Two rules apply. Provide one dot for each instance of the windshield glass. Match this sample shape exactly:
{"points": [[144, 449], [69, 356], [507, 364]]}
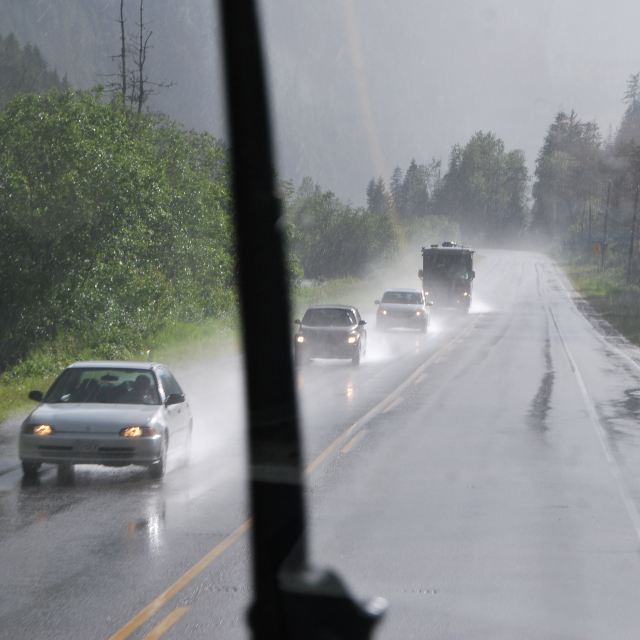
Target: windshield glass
{"points": [[106, 385], [402, 297], [475, 462], [328, 318], [445, 261]]}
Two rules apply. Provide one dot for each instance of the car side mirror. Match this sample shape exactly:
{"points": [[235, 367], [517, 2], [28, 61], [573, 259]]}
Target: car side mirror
{"points": [[420, 274], [36, 395], [376, 302], [472, 275], [429, 303], [174, 398], [296, 321], [362, 323]]}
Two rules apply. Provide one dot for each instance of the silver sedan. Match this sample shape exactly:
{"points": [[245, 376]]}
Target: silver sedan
{"points": [[403, 308], [108, 413]]}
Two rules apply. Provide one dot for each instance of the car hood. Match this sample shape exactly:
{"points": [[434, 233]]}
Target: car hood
{"points": [[328, 330], [94, 417]]}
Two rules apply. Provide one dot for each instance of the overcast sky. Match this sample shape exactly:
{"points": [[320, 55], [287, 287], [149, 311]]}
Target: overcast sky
{"points": [[360, 86], [435, 72]]}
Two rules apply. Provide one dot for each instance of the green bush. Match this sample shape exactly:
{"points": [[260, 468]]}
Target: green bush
{"points": [[112, 225]]}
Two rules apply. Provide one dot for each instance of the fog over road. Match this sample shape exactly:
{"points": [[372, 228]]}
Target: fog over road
{"points": [[484, 478]]}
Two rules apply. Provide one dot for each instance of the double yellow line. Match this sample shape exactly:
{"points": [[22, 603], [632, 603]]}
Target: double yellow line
{"points": [[340, 442]]}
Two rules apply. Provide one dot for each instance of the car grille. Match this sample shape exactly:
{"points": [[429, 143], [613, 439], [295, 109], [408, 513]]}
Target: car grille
{"points": [[67, 451]]}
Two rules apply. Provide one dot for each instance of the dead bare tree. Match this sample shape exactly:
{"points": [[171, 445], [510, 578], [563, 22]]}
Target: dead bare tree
{"points": [[132, 84], [123, 55], [143, 43], [141, 87]]}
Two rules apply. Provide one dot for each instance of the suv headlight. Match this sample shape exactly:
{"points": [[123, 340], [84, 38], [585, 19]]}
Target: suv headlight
{"points": [[352, 339]]}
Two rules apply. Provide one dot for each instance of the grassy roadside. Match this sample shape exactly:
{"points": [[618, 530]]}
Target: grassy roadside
{"points": [[174, 345], [609, 295]]}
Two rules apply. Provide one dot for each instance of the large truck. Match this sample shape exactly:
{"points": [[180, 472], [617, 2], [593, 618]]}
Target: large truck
{"points": [[447, 274]]}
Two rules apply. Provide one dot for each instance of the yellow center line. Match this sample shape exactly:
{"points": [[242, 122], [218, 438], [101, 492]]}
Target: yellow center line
{"points": [[347, 447], [393, 405], [157, 603], [162, 627]]}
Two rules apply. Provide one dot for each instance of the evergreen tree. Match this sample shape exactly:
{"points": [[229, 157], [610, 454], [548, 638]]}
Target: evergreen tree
{"points": [[24, 70], [629, 130], [378, 202], [397, 193], [568, 173], [484, 188], [415, 194]]}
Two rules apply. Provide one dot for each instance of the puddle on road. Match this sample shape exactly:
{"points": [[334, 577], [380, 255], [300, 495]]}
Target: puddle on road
{"points": [[541, 403]]}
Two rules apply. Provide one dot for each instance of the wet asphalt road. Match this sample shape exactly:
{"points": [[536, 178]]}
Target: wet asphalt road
{"points": [[485, 479]]}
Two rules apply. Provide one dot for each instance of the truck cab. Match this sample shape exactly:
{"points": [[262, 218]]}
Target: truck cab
{"points": [[447, 275]]}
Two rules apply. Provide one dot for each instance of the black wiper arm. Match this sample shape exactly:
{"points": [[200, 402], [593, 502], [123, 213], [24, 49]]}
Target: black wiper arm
{"points": [[291, 600]]}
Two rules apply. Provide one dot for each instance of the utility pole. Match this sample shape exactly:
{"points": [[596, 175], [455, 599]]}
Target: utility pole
{"points": [[633, 233], [603, 252]]}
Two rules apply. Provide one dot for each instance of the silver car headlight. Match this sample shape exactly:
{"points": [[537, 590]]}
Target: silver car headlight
{"points": [[41, 430], [137, 431]]}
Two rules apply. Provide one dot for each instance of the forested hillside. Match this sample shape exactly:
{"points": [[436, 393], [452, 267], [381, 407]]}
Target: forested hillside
{"points": [[585, 187]]}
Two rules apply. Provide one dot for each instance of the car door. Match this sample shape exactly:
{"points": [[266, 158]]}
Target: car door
{"points": [[363, 332], [178, 414]]}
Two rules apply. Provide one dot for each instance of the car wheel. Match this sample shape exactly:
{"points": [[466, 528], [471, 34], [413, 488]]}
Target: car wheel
{"points": [[158, 468], [66, 474], [30, 469], [301, 358], [355, 360]]}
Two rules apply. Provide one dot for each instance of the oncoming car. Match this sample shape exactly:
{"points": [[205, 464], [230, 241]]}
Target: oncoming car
{"points": [[330, 331], [403, 308], [107, 413]]}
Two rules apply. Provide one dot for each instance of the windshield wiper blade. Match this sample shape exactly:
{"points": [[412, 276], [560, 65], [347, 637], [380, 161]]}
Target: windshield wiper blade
{"points": [[291, 600]]}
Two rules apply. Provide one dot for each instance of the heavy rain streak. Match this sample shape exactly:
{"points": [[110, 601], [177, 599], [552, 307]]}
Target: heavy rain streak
{"points": [[460, 186]]}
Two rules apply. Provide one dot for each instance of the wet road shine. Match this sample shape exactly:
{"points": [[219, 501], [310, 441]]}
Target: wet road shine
{"points": [[485, 479]]}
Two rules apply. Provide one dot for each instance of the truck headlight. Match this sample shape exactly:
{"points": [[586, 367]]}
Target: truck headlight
{"points": [[299, 339]]}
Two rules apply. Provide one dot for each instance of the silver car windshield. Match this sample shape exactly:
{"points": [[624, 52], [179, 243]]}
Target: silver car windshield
{"points": [[105, 385]]}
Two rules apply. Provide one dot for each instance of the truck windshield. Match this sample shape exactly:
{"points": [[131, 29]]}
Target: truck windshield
{"points": [[453, 264]]}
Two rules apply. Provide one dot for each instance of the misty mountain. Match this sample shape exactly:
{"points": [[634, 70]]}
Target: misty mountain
{"points": [[360, 86]]}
